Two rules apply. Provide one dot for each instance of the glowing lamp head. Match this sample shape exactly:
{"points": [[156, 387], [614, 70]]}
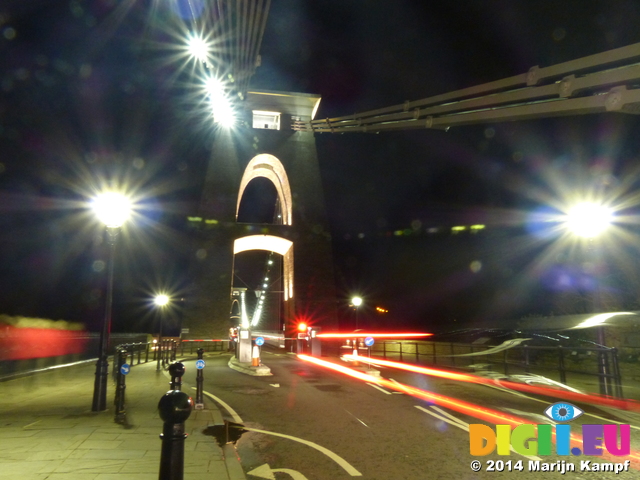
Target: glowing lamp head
{"points": [[161, 300], [198, 48], [589, 220], [356, 301], [112, 208], [302, 327]]}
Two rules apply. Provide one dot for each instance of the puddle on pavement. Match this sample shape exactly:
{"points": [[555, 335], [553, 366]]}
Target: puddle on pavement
{"points": [[229, 432]]}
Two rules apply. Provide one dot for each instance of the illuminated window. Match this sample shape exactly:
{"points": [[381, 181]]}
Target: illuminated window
{"points": [[266, 120]]}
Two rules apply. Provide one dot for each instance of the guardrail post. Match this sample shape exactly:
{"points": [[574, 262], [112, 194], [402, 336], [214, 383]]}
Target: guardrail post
{"points": [[174, 407], [563, 373], [200, 381], [146, 356], [617, 378], [504, 362], [123, 370]]}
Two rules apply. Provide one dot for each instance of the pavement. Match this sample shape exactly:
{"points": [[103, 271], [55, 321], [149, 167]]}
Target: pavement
{"points": [[48, 431]]}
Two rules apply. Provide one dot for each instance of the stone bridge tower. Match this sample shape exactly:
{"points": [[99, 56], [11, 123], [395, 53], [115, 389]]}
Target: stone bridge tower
{"points": [[264, 148]]}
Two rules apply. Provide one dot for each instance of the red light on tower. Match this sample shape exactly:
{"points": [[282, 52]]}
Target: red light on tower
{"points": [[302, 327]]}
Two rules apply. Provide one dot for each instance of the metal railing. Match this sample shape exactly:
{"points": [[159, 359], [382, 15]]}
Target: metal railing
{"points": [[208, 345], [552, 360]]}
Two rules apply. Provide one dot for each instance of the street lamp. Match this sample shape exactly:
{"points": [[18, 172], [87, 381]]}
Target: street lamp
{"points": [[112, 209], [356, 302], [161, 301], [588, 220]]}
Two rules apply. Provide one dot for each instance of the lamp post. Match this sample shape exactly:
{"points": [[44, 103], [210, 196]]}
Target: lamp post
{"points": [[356, 302], [589, 220], [112, 209], [161, 301]]}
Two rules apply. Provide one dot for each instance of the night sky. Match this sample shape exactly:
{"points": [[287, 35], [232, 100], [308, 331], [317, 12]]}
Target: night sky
{"points": [[89, 95]]}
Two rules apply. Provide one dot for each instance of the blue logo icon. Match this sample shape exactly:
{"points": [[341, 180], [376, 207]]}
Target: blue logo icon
{"points": [[259, 341], [200, 364], [369, 341], [563, 412], [125, 369]]}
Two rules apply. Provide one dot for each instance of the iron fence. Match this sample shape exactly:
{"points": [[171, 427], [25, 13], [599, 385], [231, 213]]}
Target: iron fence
{"points": [[555, 361]]}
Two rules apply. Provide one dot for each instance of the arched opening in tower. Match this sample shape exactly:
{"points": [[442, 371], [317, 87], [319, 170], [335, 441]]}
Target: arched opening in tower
{"points": [[259, 274], [260, 203], [263, 281]]}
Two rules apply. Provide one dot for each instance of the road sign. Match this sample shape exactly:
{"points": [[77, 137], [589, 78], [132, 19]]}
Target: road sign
{"points": [[369, 341], [125, 369], [259, 341], [200, 364]]}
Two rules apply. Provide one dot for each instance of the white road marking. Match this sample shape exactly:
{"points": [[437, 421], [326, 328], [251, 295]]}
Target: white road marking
{"points": [[378, 388], [356, 417], [333, 456], [546, 402], [265, 471], [232, 412], [462, 425], [448, 415], [395, 381]]}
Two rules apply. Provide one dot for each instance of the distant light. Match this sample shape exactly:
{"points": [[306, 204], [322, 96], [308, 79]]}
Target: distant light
{"points": [[459, 228], [264, 285], [356, 301], [475, 228], [161, 300], [112, 208], [198, 48], [221, 106], [381, 310], [588, 220], [599, 319], [302, 327]]}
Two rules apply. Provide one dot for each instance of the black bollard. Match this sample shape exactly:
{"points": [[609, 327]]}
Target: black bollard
{"points": [[174, 407], [176, 370], [120, 387], [199, 382]]}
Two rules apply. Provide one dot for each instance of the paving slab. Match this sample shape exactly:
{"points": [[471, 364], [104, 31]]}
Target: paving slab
{"points": [[48, 431]]}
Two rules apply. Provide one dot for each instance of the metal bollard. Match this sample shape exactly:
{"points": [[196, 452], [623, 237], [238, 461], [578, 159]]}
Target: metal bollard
{"points": [[174, 407], [122, 371], [200, 381], [176, 370]]}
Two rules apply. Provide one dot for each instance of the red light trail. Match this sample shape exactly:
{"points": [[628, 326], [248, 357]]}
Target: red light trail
{"points": [[522, 387], [467, 408], [373, 335]]}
